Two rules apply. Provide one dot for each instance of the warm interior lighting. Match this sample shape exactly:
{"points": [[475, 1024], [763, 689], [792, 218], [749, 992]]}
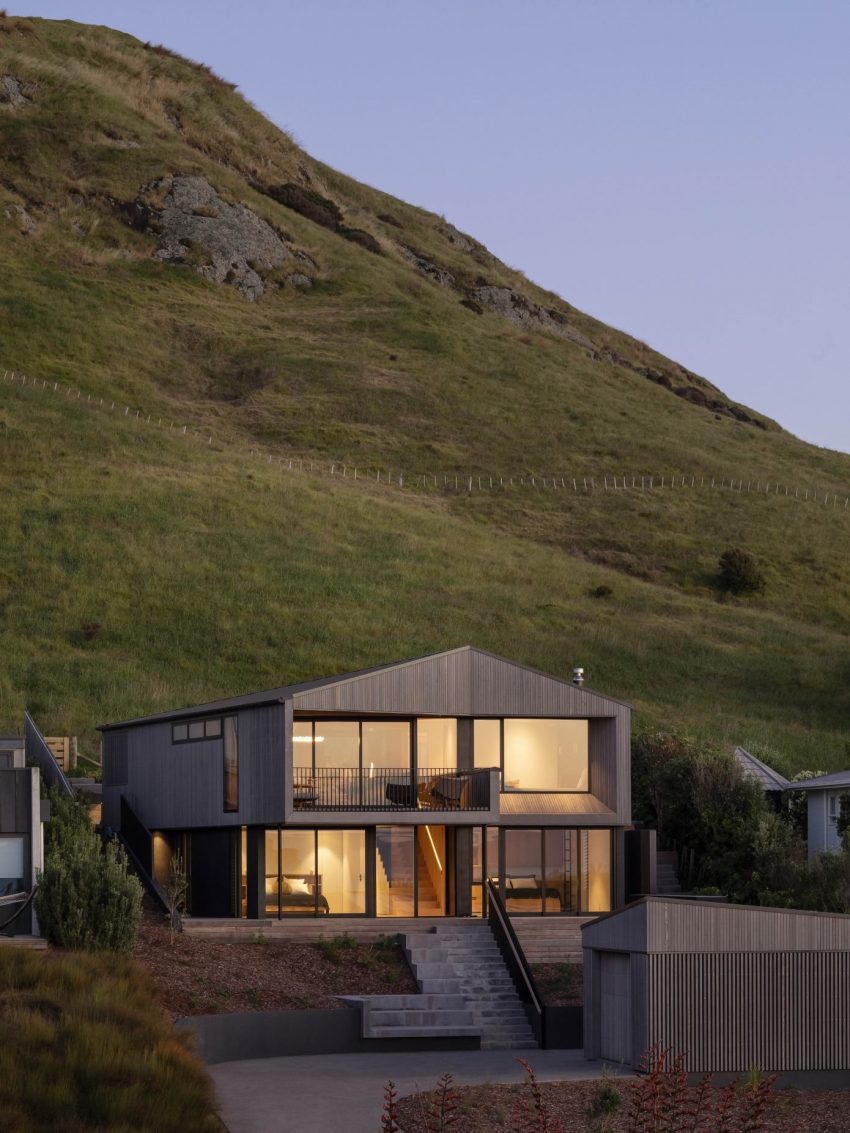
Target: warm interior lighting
{"points": [[308, 739], [434, 848]]}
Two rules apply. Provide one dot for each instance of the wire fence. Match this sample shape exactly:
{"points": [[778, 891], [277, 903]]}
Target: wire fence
{"points": [[450, 482]]}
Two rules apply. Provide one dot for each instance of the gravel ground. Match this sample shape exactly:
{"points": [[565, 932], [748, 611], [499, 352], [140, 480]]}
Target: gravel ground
{"points": [[202, 977]]}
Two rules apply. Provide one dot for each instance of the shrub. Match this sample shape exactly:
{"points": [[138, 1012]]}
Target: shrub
{"points": [[739, 573], [86, 899], [364, 239], [308, 203]]}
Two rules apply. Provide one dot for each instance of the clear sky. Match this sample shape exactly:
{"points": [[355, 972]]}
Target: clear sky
{"points": [[678, 168]]}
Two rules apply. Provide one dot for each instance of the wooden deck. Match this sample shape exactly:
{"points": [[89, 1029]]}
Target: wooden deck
{"points": [[35, 943]]}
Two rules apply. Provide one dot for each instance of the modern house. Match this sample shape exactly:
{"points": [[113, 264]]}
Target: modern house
{"points": [[390, 792], [824, 794], [22, 814]]}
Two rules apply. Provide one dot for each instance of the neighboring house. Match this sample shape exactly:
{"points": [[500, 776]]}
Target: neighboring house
{"points": [[22, 815], [770, 781], [824, 807], [391, 792], [731, 987]]}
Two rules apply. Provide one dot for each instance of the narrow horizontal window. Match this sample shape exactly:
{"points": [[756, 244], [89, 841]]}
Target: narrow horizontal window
{"points": [[212, 729], [193, 730], [196, 730], [179, 733]]}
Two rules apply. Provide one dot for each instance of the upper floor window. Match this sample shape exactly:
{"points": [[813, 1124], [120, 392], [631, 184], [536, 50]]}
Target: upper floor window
{"points": [[217, 728], [534, 754], [196, 730]]}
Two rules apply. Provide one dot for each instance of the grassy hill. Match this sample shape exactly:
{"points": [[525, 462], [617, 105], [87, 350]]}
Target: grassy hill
{"points": [[167, 249]]}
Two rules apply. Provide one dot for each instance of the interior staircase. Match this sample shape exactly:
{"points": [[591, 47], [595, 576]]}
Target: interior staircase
{"points": [[466, 990], [398, 878]]}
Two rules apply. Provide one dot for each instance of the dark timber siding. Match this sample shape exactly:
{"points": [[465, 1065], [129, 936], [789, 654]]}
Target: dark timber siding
{"points": [[180, 786]]}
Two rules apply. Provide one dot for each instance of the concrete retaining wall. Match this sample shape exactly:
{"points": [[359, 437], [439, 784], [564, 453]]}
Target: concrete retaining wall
{"points": [[273, 1034]]}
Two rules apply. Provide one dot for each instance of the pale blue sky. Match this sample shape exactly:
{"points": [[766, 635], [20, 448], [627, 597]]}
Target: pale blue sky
{"points": [[678, 168]]}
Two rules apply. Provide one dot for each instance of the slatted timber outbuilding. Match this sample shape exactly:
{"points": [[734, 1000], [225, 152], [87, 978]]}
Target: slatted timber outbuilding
{"points": [[729, 986]]}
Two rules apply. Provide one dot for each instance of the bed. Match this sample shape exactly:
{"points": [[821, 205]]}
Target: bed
{"points": [[297, 894], [525, 895]]}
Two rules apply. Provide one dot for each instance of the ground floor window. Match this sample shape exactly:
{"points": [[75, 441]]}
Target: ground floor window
{"points": [[315, 872], [386, 871]]}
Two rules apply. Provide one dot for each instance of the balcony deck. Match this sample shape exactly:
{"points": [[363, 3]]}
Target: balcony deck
{"points": [[393, 789]]}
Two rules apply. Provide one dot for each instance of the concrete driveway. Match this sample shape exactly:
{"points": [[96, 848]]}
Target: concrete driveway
{"points": [[343, 1093]]}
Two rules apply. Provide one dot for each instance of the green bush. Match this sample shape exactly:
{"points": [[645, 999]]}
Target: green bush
{"points": [[739, 573], [86, 899]]}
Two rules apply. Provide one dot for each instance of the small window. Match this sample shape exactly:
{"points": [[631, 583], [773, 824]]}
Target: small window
{"points": [[196, 730], [179, 733], [11, 866], [212, 729]]}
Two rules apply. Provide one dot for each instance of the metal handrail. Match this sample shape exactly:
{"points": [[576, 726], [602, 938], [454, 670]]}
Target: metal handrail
{"points": [[509, 936], [26, 898], [390, 788], [40, 754]]}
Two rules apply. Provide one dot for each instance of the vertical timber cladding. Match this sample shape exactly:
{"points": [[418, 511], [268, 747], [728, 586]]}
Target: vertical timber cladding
{"points": [[733, 1010], [470, 682]]}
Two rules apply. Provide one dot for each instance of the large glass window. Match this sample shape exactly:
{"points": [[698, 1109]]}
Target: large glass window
{"points": [[555, 870], [341, 871], [11, 866], [386, 744], [560, 863], [436, 743], [487, 743], [272, 878], [596, 871], [523, 871], [337, 743], [231, 765], [395, 871], [298, 881], [545, 755]]}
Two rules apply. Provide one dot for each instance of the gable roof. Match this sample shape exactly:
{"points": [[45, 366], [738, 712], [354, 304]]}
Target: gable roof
{"points": [[765, 776], [338, 688], [822, 782]]}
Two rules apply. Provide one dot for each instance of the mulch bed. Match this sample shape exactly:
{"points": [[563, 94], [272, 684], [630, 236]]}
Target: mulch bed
{"points": [[195, 976], [482, 1109], [559, 984]]}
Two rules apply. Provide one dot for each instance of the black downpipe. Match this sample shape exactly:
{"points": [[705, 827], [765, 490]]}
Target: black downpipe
{"points": [[518, 966]]}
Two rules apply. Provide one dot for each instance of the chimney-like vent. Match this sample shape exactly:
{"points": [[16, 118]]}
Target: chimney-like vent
{"points": [[578, 676]]}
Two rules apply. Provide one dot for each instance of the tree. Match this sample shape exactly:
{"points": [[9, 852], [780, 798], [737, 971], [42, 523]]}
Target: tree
{"points": [[86, 899], [739, 573]]}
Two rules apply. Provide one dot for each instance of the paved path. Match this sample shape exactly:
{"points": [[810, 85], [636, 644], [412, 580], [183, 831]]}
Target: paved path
{"points": [[343, 1093]]}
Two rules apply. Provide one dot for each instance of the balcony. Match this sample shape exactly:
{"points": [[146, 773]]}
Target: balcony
{"points": [[389, 789]]}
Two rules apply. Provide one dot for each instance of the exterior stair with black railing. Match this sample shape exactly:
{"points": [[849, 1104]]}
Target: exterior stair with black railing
{"points": [[466, 990]]}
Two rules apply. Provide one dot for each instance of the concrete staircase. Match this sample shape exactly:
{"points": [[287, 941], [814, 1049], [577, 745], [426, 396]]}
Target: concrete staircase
{"points": [[667, 876], [466, 990], [550, 940]]}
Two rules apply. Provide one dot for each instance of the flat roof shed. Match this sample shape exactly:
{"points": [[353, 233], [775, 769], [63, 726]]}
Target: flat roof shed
{"points": [[728, 986]]}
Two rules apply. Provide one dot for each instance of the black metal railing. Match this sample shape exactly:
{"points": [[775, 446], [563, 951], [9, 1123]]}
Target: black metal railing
{"points": [[137, 840], [514, 957], [390, 788], [40, 755]]}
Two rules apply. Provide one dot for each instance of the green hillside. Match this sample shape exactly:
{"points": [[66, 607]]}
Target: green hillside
{"points": [[165, 248]]}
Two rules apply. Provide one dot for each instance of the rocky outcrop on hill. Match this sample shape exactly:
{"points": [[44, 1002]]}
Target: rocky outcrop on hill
{"points": [[427, 267], [12, 91], [517, 309], [19, 215], [232, 242]]}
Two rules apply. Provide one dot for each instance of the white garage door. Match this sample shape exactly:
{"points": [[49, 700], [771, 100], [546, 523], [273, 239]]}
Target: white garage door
{"points": [[615, 1002]]}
